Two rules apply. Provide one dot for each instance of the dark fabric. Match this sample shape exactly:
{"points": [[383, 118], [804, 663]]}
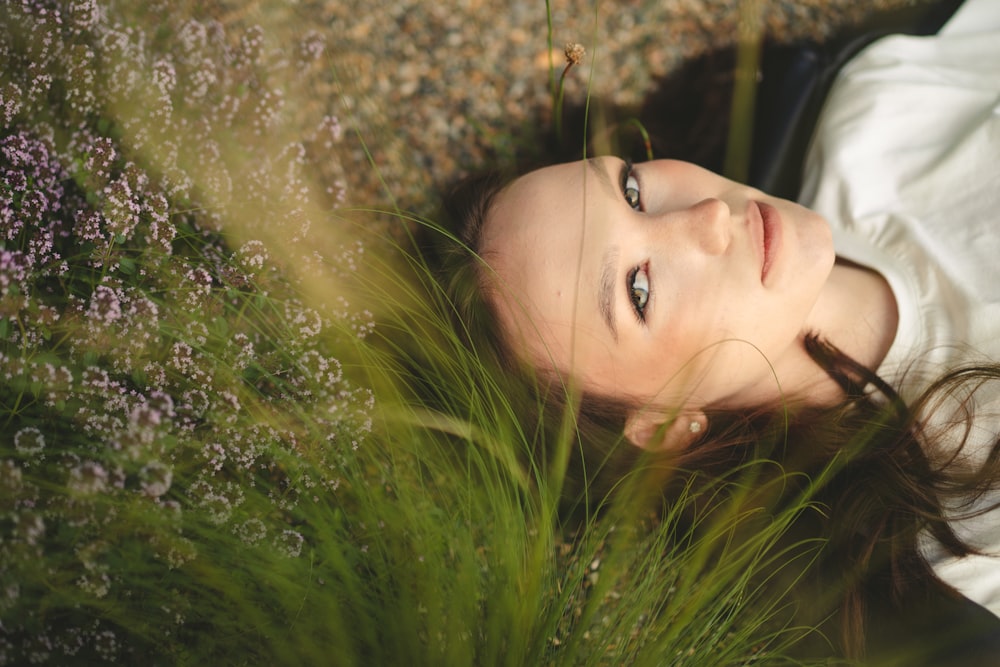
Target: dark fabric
{"points": [[938, 628], [795, 80]]}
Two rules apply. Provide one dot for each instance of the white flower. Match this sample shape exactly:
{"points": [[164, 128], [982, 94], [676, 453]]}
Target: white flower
{"points": [[29, 441], [156, 479]]}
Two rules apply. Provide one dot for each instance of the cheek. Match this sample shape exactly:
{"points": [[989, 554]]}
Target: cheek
{"points": [[678, 360], [817, 263], [818, 242], [747, 331]]}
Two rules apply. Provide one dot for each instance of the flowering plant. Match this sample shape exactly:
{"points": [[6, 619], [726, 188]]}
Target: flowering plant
{"points": [[154, 359], [208, 452]]}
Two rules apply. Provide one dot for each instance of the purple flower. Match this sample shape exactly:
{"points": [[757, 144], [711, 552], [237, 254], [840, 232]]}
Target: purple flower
{"points": [[83, 14], [88, 478], [121, 209], [289, 543], [10, 103], [164, 76], [105, 305], [14, 272], [155, 479], [251, 531], [29, 441]]}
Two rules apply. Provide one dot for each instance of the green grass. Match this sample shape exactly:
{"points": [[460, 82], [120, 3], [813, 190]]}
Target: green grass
{"points": [[325, 505]]}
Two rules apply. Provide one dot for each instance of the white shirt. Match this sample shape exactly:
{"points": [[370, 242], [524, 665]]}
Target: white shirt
{"points": [[905, 164]]}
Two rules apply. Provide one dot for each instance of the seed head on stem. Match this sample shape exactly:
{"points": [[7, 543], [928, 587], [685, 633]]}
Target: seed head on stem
{"points": [[574, 53]]}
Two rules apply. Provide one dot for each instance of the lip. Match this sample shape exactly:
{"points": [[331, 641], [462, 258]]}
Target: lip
{"points": [[770, 238]]}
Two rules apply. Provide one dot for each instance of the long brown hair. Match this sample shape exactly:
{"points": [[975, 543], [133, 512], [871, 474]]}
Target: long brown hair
{"points": [[886, 476]]}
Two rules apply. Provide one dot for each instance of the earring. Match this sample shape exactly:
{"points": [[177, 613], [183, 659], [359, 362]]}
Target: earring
{"points": [[695, 427]]}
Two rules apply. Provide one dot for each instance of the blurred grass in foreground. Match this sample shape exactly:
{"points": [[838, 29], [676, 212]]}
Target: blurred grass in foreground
{"points": [[214, 447]]}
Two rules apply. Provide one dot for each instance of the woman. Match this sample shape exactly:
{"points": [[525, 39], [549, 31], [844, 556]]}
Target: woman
{"points": [[688, 310]]}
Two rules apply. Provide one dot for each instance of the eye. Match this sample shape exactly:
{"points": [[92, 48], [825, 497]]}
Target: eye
{"points": [[638, 291], [630, 187]]}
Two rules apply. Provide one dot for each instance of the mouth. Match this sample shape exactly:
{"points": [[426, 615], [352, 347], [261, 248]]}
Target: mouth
{"points": [[771, 237]]}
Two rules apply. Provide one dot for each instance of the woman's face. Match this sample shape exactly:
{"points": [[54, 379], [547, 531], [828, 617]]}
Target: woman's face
{"points": [[666, 284]]}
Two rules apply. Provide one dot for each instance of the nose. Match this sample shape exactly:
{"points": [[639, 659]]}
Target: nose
{"points": [[710, 225]]}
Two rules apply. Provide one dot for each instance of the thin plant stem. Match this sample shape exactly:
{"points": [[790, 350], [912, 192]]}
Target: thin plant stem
{"points": [[552, 63], [557, 109], [574, 56], [646, 143], [741, 118]]}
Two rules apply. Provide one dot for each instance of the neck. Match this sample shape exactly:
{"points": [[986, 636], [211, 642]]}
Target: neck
{"points": [[857, 313]]}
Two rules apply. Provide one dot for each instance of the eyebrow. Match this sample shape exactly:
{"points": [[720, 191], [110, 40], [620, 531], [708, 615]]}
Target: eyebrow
{"points": [[606, 290], [602, 176], [606, 287]]}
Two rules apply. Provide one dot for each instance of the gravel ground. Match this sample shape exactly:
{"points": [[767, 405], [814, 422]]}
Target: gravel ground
{"points": [[436, 88]]}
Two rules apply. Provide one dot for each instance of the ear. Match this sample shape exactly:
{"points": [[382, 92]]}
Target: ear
{"points": [[648, 429]]}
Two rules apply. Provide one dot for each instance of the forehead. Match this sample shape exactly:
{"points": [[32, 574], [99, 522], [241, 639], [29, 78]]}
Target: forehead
{"points": [[535, 219], [543, 260], [531, 219], [531, 199]]}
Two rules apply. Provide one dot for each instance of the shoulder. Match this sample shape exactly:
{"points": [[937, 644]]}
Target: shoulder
{"points": [[903, 164]]}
